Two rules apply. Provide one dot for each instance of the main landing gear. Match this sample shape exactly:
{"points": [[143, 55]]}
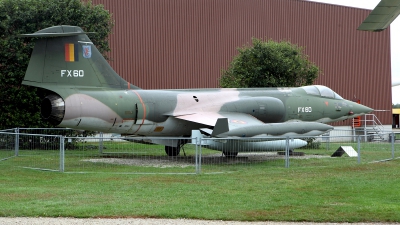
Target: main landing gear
{"points": [[174, 151]]}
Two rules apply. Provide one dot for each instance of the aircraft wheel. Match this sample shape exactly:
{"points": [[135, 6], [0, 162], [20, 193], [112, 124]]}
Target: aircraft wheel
{"points": [[230, 154], [172, 151]]}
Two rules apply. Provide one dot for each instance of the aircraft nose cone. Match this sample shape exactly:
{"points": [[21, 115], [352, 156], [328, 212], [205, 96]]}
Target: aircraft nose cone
{"points": [[359, 109], [368, 109]]}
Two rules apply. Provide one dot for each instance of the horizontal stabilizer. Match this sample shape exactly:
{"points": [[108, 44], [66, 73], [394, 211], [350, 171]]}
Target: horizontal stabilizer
{"points": [[57, 31], [54, 34]]}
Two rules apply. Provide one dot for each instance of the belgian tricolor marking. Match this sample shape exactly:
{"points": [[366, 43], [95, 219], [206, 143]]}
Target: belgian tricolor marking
{"points": [[71, 52]]}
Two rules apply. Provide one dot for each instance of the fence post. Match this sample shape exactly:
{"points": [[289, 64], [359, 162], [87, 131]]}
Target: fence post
{"points": [[16, 144], [197, 155], [327, 139], [393, 137], [199, 169], [359, 149], [101, 143], [287, 153], [62, 151]]}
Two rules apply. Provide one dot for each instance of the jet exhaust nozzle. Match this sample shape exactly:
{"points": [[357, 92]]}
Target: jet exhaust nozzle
{"points": [[53, 109]]}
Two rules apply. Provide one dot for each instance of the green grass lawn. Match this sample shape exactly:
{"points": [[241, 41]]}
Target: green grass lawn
{"points": [[315, 189]]}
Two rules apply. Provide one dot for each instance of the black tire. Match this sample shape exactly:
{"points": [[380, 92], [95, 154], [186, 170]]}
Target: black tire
{"points": [[230, 154], [172, 151]]}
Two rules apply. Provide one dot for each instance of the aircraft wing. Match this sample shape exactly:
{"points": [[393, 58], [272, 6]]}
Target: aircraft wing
{"points": [[381, 16], [211, 118], [223, 122]]}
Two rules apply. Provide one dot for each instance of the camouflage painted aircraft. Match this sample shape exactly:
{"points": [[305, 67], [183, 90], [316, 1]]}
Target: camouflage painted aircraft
{"points": [[86, 93]]}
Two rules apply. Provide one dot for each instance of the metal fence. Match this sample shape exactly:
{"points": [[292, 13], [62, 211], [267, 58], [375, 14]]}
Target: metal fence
{"points": [[68, 150]]}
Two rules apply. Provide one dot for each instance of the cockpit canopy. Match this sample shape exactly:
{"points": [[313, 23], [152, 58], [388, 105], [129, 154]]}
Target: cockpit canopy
{"points": [[321, 91]]}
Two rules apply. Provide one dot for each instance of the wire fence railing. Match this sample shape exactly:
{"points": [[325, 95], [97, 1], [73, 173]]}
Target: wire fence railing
{"points": [[66, 150]]}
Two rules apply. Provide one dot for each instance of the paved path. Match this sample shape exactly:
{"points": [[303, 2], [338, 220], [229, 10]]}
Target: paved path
{"points": [[141, 221]]}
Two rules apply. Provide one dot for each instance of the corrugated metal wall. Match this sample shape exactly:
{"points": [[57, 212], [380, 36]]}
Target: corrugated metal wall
{"points": [[185, 43]]}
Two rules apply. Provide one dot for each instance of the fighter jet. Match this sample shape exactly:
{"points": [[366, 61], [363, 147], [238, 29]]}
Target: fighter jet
{"points": [[86, 93]]}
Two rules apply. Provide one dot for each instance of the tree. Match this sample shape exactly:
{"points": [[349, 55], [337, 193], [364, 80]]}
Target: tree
{"points": [[269, 64], [396, 106], [20, 105]]}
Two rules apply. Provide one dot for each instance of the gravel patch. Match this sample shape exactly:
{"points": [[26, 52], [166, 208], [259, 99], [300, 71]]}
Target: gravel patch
{"points": [[145, 162], [186, 161]]}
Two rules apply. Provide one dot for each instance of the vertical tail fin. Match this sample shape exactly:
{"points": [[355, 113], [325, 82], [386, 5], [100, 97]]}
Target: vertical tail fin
{"points": [[65, 56]]}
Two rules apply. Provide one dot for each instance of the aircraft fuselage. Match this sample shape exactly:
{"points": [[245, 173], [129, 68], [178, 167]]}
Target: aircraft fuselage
{"points": [[175, 112]]}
